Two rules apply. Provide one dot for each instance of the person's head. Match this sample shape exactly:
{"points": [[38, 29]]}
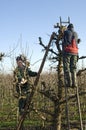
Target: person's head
{"points": [[19, 61], [70, 26]]}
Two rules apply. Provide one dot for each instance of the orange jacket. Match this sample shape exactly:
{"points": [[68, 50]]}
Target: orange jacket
{"points": [[71, 48]]}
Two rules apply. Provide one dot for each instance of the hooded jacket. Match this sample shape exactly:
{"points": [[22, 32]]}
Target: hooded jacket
{"points": [[70, 42]]}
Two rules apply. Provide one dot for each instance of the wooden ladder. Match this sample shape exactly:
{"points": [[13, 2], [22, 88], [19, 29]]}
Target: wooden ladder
{"points": [[67, 107]]}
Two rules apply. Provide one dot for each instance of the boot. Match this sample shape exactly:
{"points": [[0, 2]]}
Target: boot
{"points": [[68, 82], [74, 79]]}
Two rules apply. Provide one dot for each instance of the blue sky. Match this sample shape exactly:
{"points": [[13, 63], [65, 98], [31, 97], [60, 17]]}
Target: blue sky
{"points": [[23, 21]]}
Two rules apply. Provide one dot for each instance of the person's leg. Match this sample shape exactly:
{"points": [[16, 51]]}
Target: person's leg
{"points": [[73, 70], [67, 74], [22, 103]]}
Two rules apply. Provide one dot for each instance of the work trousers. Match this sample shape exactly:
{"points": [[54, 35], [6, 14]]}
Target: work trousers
{"points": [[70, 66]]}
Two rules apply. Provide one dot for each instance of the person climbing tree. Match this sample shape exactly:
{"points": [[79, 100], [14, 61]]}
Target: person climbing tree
{"points": [[70, 55], [22, 75]]}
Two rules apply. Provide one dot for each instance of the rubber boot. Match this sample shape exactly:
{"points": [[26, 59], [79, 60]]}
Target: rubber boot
{"points": [[74, 79], [68, 81]]}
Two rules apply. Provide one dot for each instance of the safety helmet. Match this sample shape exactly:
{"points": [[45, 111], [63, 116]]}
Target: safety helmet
{"points": [[70, 25]]}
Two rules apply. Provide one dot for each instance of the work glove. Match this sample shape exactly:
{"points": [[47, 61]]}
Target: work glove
{"points": [[79, 40]]}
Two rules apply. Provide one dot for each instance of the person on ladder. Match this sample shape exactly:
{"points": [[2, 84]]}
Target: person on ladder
{"points": [[70, 55]]}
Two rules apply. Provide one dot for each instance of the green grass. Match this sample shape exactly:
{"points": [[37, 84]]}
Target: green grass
{"points": [[13, 124], [7, 124]]}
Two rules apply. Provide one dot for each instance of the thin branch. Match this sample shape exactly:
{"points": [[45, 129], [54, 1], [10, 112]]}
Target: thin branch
{"points": [[45, 47], [72, 97]]}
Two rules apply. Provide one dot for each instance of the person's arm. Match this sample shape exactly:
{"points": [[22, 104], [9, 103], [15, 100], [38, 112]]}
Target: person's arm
{"points": [[31, 73], [67, 38], [78, 40]]}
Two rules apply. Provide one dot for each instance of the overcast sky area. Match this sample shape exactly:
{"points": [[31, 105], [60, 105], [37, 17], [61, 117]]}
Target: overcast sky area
{"points": [[23, 21]]}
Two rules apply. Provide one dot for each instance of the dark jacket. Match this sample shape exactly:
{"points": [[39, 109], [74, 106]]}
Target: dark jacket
{"points": [[23, 73], [69, 35]]}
